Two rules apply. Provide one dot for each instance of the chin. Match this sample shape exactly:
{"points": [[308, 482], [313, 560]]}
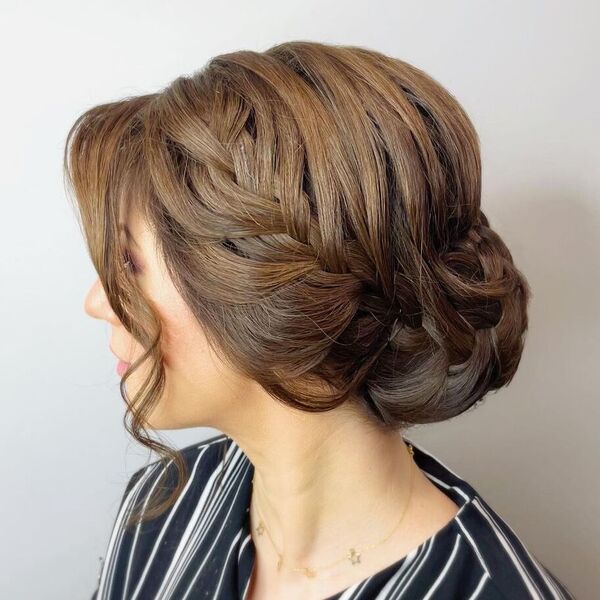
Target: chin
{"points": [[164, 419], [158, 420], [159, 417], [171, 412]]}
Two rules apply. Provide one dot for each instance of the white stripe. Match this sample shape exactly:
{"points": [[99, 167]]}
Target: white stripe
{"points": [[187, 540], [223, 571], [530, 584], [555, 592], [117, 534], [474, 546], [230, 484], [401, 581], [165, 525], [243, 547], [213, 511], [446, 568], [551, 584], [216, 539], [137, 529], [443, 484], [480, 586], [435, 458]]}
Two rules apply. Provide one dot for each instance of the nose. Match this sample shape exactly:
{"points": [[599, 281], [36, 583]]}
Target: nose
{"points": [[96, 304]]}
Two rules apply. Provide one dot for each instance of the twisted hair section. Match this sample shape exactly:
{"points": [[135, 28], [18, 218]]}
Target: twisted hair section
{"points": [[318, 209]]}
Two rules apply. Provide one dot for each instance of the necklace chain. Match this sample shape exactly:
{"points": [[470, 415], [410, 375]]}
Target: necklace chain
{"points": [[353, 554]]}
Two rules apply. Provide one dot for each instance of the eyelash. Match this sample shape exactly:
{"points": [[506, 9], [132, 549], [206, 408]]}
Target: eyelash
{"points": [[129, 263]]}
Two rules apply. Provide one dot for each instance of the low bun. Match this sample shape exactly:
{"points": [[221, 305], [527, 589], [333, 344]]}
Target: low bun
{"points": [[470, 341]]}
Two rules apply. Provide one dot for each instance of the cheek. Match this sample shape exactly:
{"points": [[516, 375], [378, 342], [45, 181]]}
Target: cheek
{"points": [[182, 335], [182, 340], [192, 370], [199, 387]]}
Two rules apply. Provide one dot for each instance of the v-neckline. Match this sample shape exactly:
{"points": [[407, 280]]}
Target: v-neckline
{"points": [[247, 550]]}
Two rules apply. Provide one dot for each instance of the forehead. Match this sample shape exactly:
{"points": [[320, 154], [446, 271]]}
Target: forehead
{"points": [[134, 217], [132, 197]]}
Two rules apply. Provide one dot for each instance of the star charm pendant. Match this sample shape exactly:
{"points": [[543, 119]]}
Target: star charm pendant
{"points": [[354, 556], [260, 529], [308, 572]]}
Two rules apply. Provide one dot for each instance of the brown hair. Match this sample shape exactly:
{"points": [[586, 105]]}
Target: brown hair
{"points": [[318, 208]]}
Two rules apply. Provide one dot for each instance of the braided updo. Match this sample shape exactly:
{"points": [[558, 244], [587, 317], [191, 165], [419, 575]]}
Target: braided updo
{"points": [[318, 208]]}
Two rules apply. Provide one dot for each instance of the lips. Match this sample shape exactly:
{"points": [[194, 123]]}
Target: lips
{"points": [[122, 367]]}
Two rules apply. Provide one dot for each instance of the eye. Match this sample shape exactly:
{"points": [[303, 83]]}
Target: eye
{"points": [[129, 263]]}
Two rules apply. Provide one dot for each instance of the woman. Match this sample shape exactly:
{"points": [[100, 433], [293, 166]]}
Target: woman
{"points": [[291, 249]]}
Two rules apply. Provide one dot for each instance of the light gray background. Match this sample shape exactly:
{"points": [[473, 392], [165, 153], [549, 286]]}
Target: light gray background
{"points": [[526, 72]]}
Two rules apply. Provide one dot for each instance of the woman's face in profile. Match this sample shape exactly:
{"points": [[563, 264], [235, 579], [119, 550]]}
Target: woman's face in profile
{"points": [[198, 386]]}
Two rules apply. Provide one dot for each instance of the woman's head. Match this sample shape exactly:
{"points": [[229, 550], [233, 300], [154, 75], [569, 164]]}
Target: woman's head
{"points": [[196, 387], [293, 205]]}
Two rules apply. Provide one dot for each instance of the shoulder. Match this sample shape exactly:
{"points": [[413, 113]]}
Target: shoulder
{"points": [[130, 549], [511, 569], [483, 548]]}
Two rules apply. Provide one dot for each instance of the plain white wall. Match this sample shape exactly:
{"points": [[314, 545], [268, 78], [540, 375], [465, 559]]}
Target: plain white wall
{"points": [[526, 72]]}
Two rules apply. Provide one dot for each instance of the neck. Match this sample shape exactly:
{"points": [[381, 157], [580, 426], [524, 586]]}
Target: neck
{"points": [[323, 483]]}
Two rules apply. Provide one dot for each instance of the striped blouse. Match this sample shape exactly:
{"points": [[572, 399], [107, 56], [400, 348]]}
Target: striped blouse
{"points": [[202, 547]]}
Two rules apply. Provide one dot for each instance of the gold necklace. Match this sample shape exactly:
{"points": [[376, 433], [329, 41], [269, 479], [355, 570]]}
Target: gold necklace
{"points": [[353, 554]]}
